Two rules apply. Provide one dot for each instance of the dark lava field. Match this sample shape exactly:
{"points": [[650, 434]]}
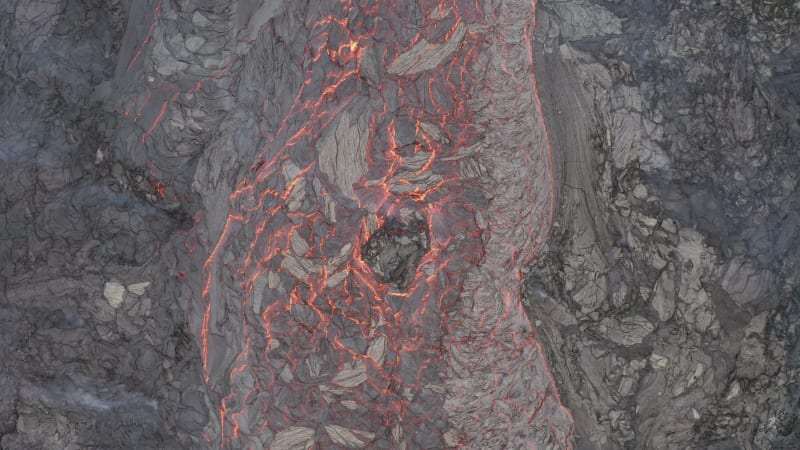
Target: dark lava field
{"points": [[403, 224]]}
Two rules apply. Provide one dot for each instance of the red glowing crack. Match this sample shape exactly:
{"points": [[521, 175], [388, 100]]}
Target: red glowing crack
{"points": [[147, 37]]}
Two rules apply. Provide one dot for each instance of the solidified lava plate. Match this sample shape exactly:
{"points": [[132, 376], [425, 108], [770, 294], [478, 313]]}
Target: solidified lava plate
{"points": [[364, 288]]}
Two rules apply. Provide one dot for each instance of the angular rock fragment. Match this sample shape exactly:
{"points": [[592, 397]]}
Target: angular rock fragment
{"points": [[418, 182], [627, 331], [350, 404], [470, 160], [425, 55], [336, 279], [733, 391], [273, 280], [352, 374], [663, 300], [659, 361], [138, 288], [193, 43], [286, 374], [299, 245], [415, 162], [114, 293], [377, 350], [434, 132], [640, 191], [344, 255], [348, 437], [258, 293], [314, 365], [294, 438], [397, 436], [342, 153], [300, 267], [297, 194], [199, 20], [744, 282]]}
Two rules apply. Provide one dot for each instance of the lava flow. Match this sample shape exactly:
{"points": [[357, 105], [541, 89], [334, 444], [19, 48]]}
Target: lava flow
{"points": [[426, 120]]}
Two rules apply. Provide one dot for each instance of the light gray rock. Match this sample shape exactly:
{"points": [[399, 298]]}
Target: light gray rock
{"points": [[194, 42], [663, 300], [744, 282], [293, 438], [138, 289], [114, 293], [199, 20], [626, 331], [640, 191], [425, 55], [342, 153], [669, 226]]}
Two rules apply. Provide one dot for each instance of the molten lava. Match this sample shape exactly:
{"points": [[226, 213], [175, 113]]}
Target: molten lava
{"points": [[394, 120]]}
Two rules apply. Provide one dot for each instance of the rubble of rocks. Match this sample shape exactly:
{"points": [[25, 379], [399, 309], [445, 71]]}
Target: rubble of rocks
{"points": [[668, 297], [89, 355]]}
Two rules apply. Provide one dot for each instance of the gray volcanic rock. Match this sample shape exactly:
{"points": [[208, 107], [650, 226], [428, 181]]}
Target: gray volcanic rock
{"points": [[86, 361], [668, 296]]}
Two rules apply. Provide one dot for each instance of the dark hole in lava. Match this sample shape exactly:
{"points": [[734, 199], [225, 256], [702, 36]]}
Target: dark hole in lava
{"points": [[395, 250]]}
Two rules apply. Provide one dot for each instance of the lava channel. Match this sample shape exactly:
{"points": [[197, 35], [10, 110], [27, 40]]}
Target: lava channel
{"points": [[365, 289]]}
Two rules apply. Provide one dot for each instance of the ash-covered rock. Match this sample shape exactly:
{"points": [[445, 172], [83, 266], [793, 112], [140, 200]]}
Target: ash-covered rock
{"points": [[395, 250]]}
